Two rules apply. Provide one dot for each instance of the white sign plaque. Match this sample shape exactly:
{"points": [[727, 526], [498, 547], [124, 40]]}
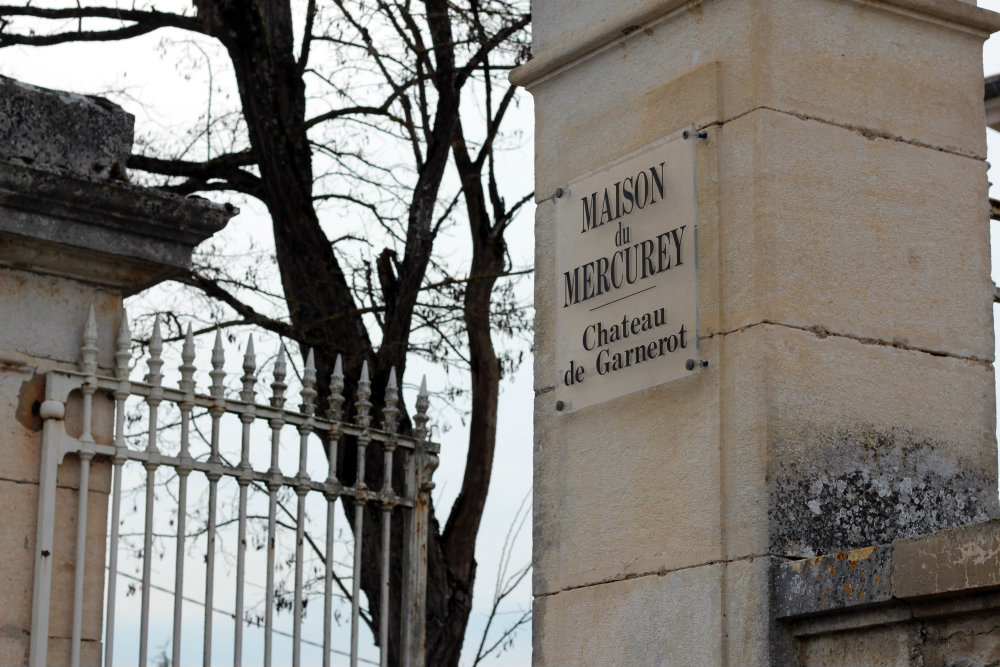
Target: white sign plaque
{"points": [[626, 275]]}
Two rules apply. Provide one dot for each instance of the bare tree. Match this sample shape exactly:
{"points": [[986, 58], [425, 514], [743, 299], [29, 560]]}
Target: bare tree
{"points": [[357, 104]]}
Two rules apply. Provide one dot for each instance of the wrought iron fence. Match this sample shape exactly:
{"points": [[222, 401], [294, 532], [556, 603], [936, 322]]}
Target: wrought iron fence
{"points": [[420, 459]]}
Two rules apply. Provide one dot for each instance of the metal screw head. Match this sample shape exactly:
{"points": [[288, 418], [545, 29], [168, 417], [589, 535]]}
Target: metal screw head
{"points": [[689, 364], [686, 135], [559, 193], [560, 406]]}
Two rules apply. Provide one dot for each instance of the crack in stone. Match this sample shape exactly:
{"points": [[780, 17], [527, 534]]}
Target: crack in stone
{"points": [[822, 332], [866, 132], [658, 573], [544, 390]]}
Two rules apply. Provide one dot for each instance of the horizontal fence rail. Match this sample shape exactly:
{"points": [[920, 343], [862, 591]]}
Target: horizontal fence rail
{"points": [[419, 457]]}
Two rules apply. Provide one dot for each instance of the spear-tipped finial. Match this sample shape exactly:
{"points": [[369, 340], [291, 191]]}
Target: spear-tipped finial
{"points": [[249, 379], [122, 352], [218, 352], [363, 405], [155, 361], [336, 400], [88, 351], [280, 364], [187, 362], [423, 403], [250, 358], [217, 374], [156, 341], [308, 393], [390, 413], [187, 352], [278, 386]]}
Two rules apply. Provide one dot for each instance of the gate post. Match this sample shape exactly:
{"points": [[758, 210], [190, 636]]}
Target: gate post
{"points": [[832, 389], [73, 233]]}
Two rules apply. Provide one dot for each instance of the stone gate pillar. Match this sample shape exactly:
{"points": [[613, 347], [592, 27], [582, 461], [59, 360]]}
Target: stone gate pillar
{"points": [[73, 234], [844, 309]]}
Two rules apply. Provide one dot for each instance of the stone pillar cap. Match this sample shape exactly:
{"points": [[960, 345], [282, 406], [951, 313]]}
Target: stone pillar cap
{"points": [[76, 133], [65, 206]]}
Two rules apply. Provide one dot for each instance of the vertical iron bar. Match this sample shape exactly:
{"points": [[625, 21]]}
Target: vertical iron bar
{"points": [[362, 407], [302, 483], [51, 411], [88, 365], [122, 357], [409, 552], [390, 422], [383, 629], [183, 469], [416, 568], [273, 485], [153, 378], [334, 414], [247, 415], [217, 390]]}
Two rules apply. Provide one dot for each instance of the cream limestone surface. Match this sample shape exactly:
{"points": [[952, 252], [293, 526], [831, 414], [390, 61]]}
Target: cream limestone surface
{"points": [[844, 302], [44, 316], [673, 619], [780, 396], [592, 472], [794, 56], [19, 506], [557, 20], [853, 234], [782, 400], [747, 589]]}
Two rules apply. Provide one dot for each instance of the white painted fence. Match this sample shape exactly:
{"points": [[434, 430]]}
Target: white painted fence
{"points": [[420, 459]]}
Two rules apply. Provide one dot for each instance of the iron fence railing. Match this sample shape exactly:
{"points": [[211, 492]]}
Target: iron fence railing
{"points": [[420, 459]]}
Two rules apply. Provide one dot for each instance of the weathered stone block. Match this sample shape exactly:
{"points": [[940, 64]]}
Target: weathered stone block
{"points": [[78, 133], [670, 619], [19, 506], [876, 66], [54, 331], [829, 229], [834, 581], [881, 645], [948, 561], [573, 140], [874, 72], [648, 487], [751, 636], [912, 453]]}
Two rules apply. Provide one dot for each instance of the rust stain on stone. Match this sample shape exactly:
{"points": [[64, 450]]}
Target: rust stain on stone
{"points": [[864, 553], [32, 393]]}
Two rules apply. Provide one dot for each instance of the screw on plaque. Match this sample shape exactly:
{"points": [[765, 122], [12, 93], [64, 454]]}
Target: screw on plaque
{"points": [[560, 406], [559, 193]]}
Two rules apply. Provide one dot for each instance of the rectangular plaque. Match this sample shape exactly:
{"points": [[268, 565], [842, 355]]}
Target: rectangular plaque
{"points": [[626, 275]]}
